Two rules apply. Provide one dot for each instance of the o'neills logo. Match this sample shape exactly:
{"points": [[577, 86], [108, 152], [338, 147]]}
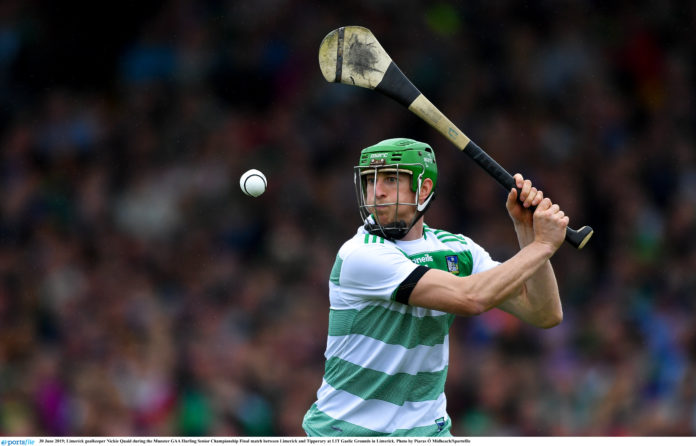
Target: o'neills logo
{"points": [[423, 259]]}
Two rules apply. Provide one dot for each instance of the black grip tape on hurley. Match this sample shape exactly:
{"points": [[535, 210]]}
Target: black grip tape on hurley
{"points": [[397, 86]]}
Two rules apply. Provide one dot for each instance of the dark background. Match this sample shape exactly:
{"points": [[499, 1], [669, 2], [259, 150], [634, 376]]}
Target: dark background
{"points": [[141, 293]]}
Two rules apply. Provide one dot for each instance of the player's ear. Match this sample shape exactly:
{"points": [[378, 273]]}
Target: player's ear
{"points": [[426, 188]]}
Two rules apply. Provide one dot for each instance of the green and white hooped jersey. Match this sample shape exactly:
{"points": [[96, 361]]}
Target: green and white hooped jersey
{"points": [[386, 362]]}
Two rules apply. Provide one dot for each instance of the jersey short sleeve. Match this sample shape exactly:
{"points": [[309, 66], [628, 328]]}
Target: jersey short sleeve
{"points": [[373, 272]]}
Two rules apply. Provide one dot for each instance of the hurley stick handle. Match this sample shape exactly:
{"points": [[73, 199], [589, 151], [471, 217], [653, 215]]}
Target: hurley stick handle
{"points": [[576, 237], [424, 109]]}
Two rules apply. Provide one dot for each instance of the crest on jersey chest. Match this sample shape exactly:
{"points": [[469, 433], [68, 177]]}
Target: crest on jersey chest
{"points": [[452, 264]]}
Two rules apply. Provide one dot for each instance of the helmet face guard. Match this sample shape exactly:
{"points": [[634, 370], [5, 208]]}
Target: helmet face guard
{"points": [[395, 228], [409, 160]]}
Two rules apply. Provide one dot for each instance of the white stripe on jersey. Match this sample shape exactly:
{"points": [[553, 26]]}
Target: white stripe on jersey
{"points": [[378, 415], [388, 358], [338, 302]]}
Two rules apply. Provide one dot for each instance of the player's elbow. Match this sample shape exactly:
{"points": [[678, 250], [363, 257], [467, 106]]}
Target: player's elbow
{"points": [[551, 320]]}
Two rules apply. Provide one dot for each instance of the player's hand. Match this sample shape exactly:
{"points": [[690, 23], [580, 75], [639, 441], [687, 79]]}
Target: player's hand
{"points": [[520, 211], [550, 224]]}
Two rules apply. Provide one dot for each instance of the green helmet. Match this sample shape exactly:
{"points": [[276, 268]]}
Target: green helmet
{"points": [[403, 156]]}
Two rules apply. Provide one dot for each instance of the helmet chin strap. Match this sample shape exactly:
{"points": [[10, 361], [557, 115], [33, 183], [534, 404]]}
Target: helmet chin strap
{"points": [[392, 231]]}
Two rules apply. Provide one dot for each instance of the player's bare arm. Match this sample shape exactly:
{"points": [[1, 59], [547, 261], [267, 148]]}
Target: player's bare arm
{"points": [[538, 302], [480, 292]]}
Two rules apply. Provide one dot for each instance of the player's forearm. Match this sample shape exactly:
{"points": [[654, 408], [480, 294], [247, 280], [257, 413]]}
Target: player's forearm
{"points": [[525, 234], [493, 287], [544, 299], [538, 301]]}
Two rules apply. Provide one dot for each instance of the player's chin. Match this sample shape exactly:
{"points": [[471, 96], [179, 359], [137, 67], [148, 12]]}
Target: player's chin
{"points": [[385, 219]]}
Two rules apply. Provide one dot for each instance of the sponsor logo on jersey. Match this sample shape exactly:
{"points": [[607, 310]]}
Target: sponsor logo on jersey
{"points": [[423, 259], [452, 264]]}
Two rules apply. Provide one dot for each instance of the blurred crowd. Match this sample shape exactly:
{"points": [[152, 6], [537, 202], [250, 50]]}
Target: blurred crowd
{"points": [[141, 293]]}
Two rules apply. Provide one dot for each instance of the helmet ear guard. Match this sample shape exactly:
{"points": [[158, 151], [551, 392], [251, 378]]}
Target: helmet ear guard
{"points": [[421, 207]]}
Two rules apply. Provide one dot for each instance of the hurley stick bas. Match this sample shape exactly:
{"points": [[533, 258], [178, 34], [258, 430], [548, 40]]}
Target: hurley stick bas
{"points": [[352, 55]]}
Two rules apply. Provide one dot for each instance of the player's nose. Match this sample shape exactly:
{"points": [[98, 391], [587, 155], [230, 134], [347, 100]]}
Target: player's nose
{"points": [[380, 187]]}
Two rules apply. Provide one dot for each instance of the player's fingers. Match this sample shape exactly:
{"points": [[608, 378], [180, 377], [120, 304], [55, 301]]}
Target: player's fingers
{"points": [[511, 199], [526, 188], [544, 205], [530, 197], [538, 197], [519, 180], [513, 193]]}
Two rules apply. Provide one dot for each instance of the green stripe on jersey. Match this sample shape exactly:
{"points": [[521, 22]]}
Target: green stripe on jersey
{"points": [[446, 239], [452, 237], [370, 384], [318, 424], [445, 236], [336, 270], [373, 239], [391, 327]]}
